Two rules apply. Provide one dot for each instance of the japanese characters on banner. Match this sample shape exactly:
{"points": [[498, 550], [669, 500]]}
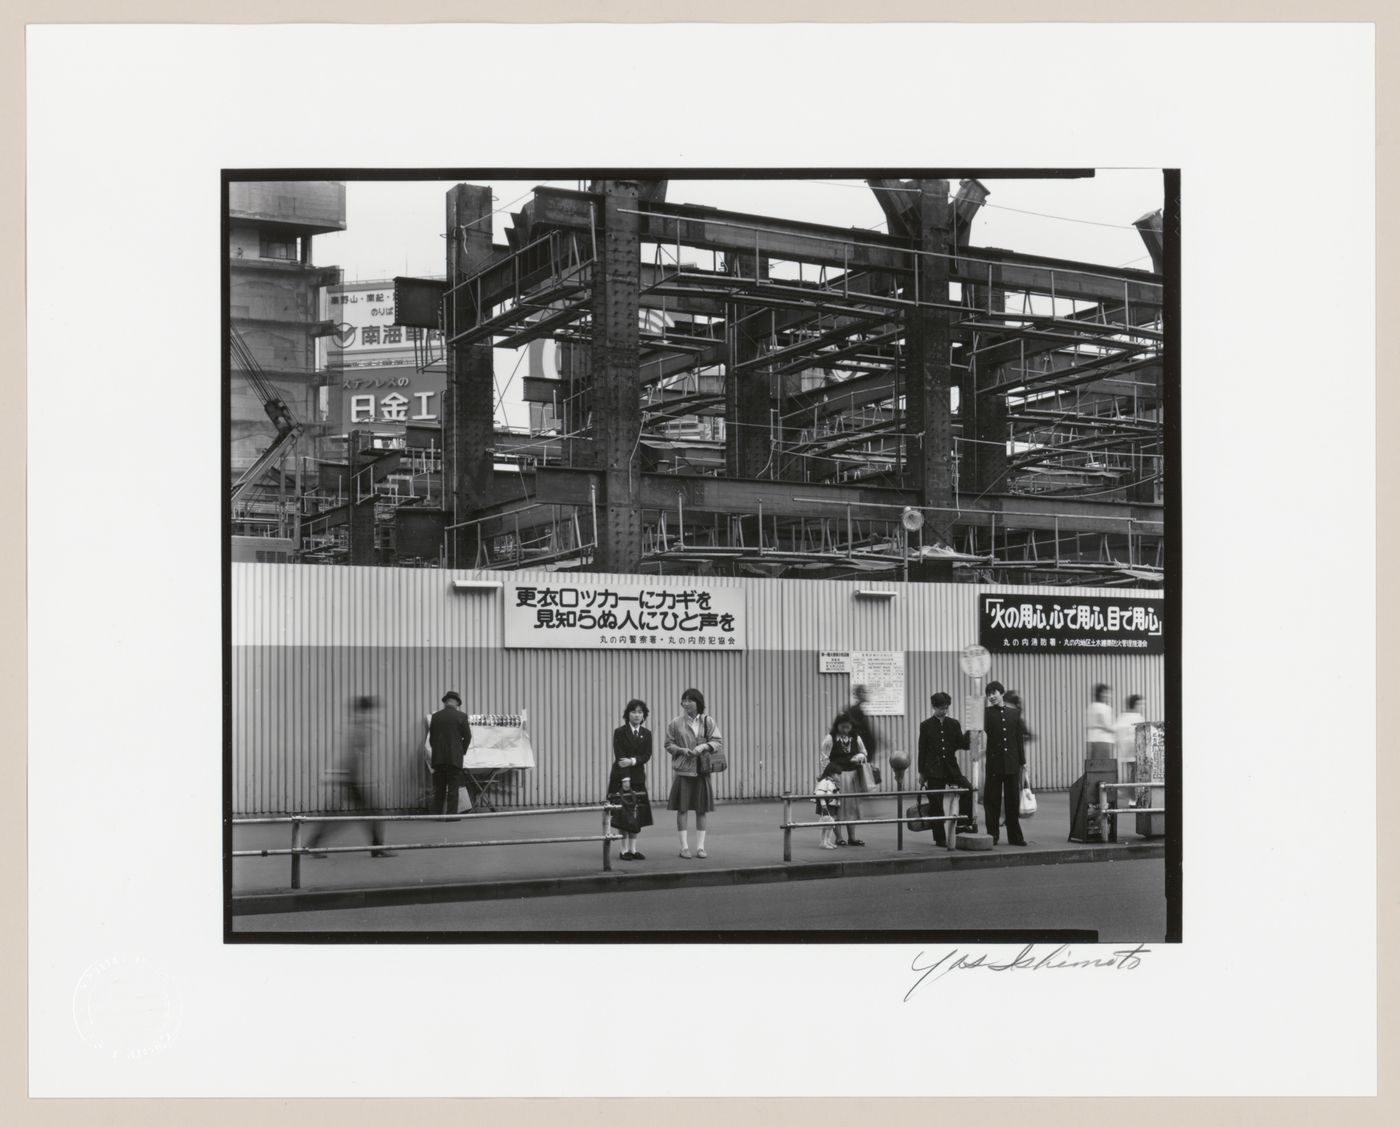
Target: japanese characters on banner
{"points": [[1071, 624], [390, 398], [625, 612], [834, 661], [363, 315], [882, 674]]}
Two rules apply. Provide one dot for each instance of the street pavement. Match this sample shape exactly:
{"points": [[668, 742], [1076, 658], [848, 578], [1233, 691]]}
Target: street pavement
{"points": [[1118, 901], [744, 846]]}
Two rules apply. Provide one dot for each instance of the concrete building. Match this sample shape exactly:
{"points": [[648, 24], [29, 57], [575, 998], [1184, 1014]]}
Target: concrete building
{"points": [[275, 322]]}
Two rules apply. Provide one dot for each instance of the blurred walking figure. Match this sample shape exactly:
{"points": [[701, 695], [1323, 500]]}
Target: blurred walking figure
{"points": [[1098, 725], [1125, 727], [361, 739], [449, 736], [860, 722]]}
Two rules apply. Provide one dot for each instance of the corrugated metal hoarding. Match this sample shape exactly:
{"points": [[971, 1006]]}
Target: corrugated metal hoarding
{"points": [[307, 640]]}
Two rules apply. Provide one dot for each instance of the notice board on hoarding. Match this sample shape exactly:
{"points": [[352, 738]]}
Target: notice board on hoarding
{"points": [[882, 674], [834, 661], [626, 612], [1129, 624]]}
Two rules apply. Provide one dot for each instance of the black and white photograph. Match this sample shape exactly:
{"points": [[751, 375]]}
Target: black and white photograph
{"points": [[834, 516], [583, 528]]}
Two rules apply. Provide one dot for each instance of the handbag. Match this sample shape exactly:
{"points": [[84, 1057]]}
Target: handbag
{"points": [[875, 770], [921, 810], [868, 776], [1028, 803], [712, 762]]}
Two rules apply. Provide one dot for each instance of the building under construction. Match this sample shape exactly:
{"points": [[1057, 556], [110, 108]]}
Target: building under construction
{"points": [[732, 394]]}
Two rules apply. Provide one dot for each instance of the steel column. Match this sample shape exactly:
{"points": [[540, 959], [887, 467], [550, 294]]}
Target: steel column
{"points": [[617, 415], [928, 391], [468, 410]]}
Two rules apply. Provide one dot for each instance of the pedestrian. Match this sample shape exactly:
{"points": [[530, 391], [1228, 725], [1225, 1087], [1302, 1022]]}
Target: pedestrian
{"points": [[687, 736], [843, 753], [1098, 725], [1006, 765], [627, 781], [860, 721], [940, 739], [449, 736], [362, 738], [828, 807], [1013, 698], [1125, 727]]}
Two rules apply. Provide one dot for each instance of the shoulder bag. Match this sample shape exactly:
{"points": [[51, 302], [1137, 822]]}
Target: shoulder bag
{"points": [[713, 761]]}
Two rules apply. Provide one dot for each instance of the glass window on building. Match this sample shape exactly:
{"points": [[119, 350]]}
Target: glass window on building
{"points": [[277, 246]]}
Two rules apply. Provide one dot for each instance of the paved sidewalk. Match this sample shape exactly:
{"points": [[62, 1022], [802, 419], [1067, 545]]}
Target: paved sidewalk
{"points": [[744, 845]]}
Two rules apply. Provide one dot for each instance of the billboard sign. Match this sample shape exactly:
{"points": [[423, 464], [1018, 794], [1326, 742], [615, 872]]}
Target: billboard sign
{"points": [[1013, 623], [625, 613]]}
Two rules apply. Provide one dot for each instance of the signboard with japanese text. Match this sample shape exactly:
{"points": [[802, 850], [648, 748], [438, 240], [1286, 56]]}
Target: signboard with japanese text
{"points": [[363, 316], [386, 399], [1071, 624], [882, 674], [834, 661], [624, 613]]}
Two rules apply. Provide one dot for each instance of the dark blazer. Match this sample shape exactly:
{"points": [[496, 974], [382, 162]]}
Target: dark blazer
{"points": [[1006, 741], [939, 744], [449, 735], [627, 746]]}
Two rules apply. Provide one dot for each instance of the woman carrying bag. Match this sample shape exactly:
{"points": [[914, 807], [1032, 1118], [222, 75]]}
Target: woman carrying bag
{"points": [[627, 781], [690, 737], [844, 755]]}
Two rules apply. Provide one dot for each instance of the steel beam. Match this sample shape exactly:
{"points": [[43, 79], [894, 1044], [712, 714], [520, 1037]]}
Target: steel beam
{"points": [[469, 435], [928, 390], [617, 416]]}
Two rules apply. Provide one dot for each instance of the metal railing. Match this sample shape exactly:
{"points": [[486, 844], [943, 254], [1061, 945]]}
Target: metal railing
{"points": [[788, 825], [297, 850], [1113, 812]]}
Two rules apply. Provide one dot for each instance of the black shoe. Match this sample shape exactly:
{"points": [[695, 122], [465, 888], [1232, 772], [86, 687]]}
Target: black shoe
{"points": [[638, 856], [841, 842], [996, 840], [382, 853]]}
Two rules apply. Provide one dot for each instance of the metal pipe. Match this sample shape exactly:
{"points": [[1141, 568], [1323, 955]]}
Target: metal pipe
{"points": [[296, 854], [366, 848], [899, 808], [787, 825], [607, 844]]}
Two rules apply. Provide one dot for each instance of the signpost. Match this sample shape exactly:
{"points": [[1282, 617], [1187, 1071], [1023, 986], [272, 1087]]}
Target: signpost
{"points": [[976, 663]]}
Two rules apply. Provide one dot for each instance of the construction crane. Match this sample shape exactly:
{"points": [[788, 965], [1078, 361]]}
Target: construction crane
{"points": [[288, 427]]}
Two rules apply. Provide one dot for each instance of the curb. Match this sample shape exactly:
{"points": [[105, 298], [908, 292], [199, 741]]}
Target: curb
{"points": [[389, 896]]}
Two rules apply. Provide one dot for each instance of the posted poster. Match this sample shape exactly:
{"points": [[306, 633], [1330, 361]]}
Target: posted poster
{"points": [[882, 673], [627, 612]]}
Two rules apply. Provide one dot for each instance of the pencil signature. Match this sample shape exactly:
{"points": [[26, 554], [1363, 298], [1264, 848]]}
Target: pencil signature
{"points": [[1061, 958]]}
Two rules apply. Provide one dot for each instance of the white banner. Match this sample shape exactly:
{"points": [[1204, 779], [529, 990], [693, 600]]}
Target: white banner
{"points": [[882, 674], [626, 612]]}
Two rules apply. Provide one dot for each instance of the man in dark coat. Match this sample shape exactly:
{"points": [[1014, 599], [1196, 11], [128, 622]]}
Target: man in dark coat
{"points": [[940, 739], [1006, 763], [449, 736]]}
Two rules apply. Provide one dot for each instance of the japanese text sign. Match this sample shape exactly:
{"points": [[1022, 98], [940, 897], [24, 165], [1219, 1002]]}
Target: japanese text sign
{"points": [[1071, 624], [624, 613], [882, 674]]}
